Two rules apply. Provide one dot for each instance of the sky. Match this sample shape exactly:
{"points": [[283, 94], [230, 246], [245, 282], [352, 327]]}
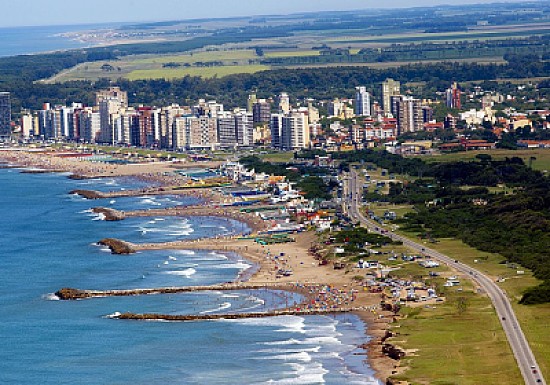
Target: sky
{"points": [[69, 12]]}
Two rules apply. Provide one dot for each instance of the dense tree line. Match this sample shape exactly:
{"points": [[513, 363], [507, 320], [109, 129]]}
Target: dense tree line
{"points": [[515, 226], [321, 83]]}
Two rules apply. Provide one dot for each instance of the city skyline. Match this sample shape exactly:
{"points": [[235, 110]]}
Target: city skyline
{"points": [[58, 12]]}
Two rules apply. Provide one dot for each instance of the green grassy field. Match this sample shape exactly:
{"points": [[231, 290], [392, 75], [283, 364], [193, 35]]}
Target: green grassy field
{"points": [[533, 319], [542, 161], [205, 72], [278, 157], [452, 344], [458, 341], [203, 56], [297, 53], [478, 34]]}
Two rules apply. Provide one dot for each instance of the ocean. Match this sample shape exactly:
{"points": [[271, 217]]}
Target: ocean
{"points": [[48, 237], [31, 40]]}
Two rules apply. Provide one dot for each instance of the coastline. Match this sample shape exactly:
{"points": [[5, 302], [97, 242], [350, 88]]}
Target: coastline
{"points": [[266, 260]]}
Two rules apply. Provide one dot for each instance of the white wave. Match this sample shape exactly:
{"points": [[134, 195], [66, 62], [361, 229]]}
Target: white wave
{"points": [[99, 217], [184, 252], [51, 297], [150, 202], [223, 306], [187, 273], [238, 265], [291, 341], [300, 356], [105, 249], [180, 234], [291, 351], [183, 265], [214, 257], [172, 258], [322, 340], [112, 202], [113, 315], [287, 323], [245, 309], [310, 374], [231, 296], [324, 330], [160, 219], [88, 211]]}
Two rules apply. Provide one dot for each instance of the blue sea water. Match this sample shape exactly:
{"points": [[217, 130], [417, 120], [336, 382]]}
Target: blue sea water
{"points": [[30, 40], [47, 241]]}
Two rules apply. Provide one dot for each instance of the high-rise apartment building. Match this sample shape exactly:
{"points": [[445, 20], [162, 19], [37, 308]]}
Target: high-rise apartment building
{"points": [[5, 115], [112, 93], [362, 102], [284, 103], [109, 108], [410, 116], [390, 88], [452, 97], [261, 111], [276, 127], [244, 123], [335, 108], [144, 128], [294, 133], [203, 133], [90, 125]]}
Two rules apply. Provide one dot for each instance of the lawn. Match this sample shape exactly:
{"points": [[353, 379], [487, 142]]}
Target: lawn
{"points": [[205, 72], [278, 157], [533, 319], [542, 155], [203, 56], [453, 346], [277, 54]]}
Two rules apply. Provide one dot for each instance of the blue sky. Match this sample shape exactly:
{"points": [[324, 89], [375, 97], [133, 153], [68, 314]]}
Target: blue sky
{"points": [[66, 12]]}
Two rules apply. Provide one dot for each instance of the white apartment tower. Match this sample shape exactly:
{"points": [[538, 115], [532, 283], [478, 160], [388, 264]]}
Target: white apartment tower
{"points": [[284, 103], [295, 131], [362, 102], [390, 88]]}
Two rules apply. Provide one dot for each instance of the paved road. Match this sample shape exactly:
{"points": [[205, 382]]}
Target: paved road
{"points": [[524, 356]]}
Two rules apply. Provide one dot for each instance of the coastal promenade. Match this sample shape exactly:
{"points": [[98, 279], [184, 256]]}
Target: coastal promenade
{"points": [[525, 358]]}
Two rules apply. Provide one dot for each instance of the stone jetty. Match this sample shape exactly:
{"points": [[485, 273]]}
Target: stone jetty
{"points": [[251, 220], [109, 214], [210, 317], [167, 190], [117, 246], [67, 294]]}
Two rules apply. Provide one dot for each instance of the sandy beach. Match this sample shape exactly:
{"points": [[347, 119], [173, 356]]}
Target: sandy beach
{"points": [[327, 286]]}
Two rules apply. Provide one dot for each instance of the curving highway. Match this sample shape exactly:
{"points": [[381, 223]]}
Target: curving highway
{"points": [[522, 352]]}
